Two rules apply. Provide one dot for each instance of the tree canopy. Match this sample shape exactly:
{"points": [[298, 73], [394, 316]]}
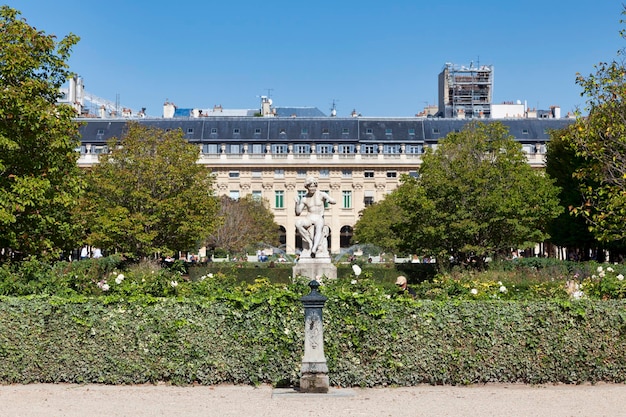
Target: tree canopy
{"points": [[375, 225], [476, 195], [599, 139], [243, 222], [149, 195], [40, 181]]}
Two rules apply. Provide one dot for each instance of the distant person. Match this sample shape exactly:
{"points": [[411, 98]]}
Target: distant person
{"points": [[403, 287], [84, 253], [97, 253]]}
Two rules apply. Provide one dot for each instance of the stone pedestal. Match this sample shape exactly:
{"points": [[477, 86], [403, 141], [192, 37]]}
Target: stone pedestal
{"points": [[314, 268], [314, 371]]}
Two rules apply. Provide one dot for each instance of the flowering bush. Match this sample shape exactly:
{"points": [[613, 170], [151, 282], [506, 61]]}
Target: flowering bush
{"points": [[606, 283]]}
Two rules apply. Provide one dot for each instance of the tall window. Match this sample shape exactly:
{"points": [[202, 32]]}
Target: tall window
{"points": [[324, 149], [347, 199], [257, 195], [346, 149], [302, 149], [279, 149], [368, 149], [234, 194], [279, 199], [368, 201]]}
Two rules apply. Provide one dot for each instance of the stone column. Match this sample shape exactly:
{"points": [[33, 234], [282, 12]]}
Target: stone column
{"points": [[314, 371]]}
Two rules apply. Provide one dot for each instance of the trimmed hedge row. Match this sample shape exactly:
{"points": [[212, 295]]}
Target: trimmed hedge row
{"points": [[368, 341]]}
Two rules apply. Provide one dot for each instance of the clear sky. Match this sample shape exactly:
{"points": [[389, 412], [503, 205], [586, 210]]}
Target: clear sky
{"points": [[381, 58]]}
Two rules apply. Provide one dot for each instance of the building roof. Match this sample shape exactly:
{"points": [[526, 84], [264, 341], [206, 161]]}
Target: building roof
{"points": [[317, 129]]}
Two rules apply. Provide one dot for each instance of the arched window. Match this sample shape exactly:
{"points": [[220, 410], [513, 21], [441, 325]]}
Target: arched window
{"points": [[345, 236]]}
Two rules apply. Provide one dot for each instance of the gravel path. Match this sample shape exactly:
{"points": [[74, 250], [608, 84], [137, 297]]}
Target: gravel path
{"points": [[66, 400]]}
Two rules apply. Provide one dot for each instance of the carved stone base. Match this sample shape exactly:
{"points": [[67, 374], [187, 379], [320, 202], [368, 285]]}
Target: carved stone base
{"points": [[314, 383], [315, 268]]}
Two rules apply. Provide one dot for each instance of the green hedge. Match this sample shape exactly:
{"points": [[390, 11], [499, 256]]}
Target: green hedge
{"points": [[257, 337]]}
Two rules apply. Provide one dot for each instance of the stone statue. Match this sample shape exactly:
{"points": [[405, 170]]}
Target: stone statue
{"points": [[311, 227]]}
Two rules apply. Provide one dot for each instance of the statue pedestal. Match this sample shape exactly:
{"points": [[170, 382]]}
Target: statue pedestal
{"points": [[314, 268]]}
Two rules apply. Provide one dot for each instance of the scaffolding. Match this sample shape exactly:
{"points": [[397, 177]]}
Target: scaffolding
{"points": [[466, 92]]}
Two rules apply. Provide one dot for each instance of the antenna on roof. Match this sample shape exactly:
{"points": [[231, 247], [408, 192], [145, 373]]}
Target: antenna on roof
{"points": [[333, 109]]}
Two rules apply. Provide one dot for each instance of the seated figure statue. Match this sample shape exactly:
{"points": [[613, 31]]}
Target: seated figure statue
{"points": [[311, 227]]}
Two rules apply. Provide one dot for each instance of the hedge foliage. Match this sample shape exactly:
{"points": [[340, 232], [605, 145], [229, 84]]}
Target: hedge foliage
{"points": [[251, 334]]}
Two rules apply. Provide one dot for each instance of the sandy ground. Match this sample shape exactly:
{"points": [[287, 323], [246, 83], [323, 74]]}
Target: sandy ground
{"points": [[64, 400]]}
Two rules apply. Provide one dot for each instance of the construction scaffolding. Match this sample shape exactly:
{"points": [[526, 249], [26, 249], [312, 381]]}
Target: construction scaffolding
{"points": [[465, 92]]}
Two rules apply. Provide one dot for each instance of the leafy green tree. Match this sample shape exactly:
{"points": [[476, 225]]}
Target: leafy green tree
{"points": [[375, 225], [568, 230], [40, 182], [149, 195], [600, 140], [243, 222], [476, 196]]}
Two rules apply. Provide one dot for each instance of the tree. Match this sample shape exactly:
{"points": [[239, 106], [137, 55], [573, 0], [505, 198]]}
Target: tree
{"points": [[375, 225], [243, 222], [476, 196], [600, 140], [149, 195], [568, 230], [40, 182]]}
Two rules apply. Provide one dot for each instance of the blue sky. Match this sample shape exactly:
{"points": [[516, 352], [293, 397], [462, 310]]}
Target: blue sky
{"points": [[381, 58]]}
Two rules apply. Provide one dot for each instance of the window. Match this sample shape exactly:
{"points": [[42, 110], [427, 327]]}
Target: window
{"points": [[392, 174], [209, 148], [324, 173], [346, 149], [524, 131], [388, 132], [346, 173], [257, 131], [347, 199], [279, 149], [257, 148], [279, 173], [414, 149], [190, 130], [368, 174], [214, 131], [368, 149], [369, 131], [236, 131], [411, 132], [324, 149], [414, 174], [301, 193], [345, 131], [233, 149], [279, 199], [302, 149], [368, 201], [391, 149], [282, 131], [257, 195], [304, 131], [234, 194], [301, 173], [256, 173], [233, 174], [325, 131], [435, 130], [100, 132]]}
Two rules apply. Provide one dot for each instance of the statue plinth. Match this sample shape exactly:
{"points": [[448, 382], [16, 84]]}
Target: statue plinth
{"points": [[314, 371], [314, 268]]}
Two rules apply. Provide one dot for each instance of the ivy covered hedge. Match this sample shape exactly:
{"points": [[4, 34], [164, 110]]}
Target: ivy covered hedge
{"points": [[254, 334]]}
